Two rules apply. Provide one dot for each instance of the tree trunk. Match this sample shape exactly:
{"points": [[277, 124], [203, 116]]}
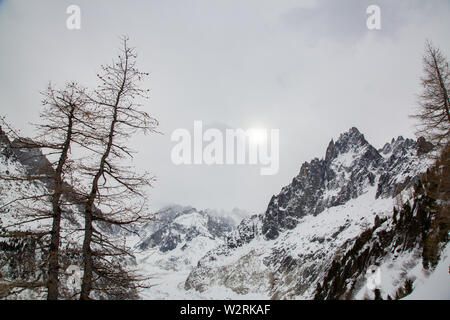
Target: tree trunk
{"points": [[442, 85], [53, 268], [53, 263], [86, 285]]}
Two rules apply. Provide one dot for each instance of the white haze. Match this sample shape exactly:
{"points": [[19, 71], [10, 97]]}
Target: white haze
{"points": [[309, 68]]}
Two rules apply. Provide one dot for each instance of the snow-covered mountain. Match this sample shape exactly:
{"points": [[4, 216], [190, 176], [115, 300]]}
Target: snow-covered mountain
{"points": [[177, 226], [286, 252], [169, 247], [320, 237]]}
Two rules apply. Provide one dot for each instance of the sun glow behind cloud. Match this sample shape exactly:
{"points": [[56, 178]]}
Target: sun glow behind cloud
{"points": [[257, 136], [312, 71]]}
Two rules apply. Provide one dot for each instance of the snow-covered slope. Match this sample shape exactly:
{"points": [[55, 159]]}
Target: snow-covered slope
{"points": [[169, 247], [434, 286]]}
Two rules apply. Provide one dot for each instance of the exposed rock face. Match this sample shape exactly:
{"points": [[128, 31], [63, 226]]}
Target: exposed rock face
{"points": [[32, 159], [326, 206], [247, 230], [398, 171]]}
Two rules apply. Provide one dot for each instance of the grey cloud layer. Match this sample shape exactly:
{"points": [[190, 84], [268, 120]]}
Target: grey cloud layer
{"points": [[309, 68]]}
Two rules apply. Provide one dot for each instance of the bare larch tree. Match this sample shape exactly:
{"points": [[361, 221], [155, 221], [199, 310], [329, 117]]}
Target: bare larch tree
{"points": [[433, 113], [116, 195], [62, 123], [65, 118]]}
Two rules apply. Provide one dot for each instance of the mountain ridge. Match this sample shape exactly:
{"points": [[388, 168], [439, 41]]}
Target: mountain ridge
{"points": [[340, 196]]}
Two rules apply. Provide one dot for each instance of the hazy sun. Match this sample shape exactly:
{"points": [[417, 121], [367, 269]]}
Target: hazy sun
{"points": [[257, 135]]}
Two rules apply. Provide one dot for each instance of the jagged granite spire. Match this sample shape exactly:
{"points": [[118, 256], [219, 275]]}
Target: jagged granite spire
{"points": [[347, 167]]}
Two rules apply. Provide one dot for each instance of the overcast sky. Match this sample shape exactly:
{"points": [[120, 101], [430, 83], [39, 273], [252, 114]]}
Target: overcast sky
{"points": [[309, 68]]}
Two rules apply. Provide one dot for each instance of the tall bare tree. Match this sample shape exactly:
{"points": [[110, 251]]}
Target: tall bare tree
{"points": [[116, 195], [63, 121], [433, 113], [434, 123]]}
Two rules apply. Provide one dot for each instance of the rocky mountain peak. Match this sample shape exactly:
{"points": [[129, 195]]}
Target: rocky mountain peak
{"points": [[352, 140], [342, 175], [395, 145]]}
